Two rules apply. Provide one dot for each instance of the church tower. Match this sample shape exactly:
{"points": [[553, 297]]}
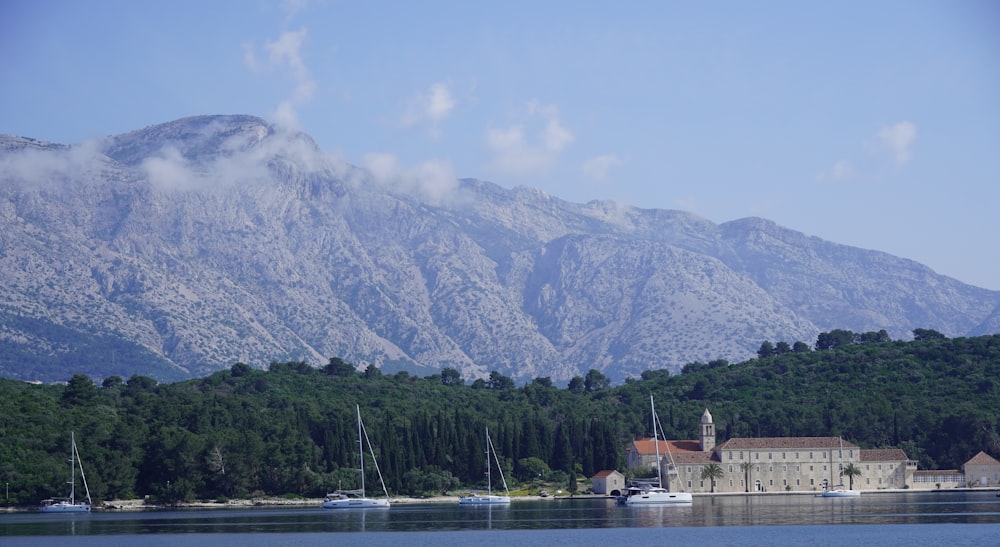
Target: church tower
{"points": [[707, 428]]}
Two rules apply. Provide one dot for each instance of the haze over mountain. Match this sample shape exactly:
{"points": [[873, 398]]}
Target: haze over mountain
{"points": [[182, 248]]}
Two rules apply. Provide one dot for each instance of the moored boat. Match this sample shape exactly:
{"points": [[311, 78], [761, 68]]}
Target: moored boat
{"points": [[342, 499], [70, 504], [655, 494], [489, 498]]}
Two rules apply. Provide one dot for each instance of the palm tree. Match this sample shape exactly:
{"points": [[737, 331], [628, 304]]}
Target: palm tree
{"points": [[850, 471], [745, 467], [712, 472]]}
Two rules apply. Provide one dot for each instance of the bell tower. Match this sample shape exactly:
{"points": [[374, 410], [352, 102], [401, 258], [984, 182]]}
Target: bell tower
{"points": [[707, 431]]}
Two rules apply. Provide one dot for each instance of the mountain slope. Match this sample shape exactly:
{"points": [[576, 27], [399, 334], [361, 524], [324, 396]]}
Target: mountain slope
{"points": [[216, 239]]}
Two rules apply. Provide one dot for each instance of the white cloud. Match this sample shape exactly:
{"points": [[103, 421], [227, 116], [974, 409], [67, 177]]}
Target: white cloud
{"points": [[432, 181], [170, 171], [431, 107], [245, 160], [597, 168], [843, 169], [897, 140], [38, 167], [522, 152], [285, 53]]}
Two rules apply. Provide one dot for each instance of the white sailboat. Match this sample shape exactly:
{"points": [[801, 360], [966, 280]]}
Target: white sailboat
{"points": [[489, 498], [69, 504], [840, 491], [657, 494], [342, 499]]}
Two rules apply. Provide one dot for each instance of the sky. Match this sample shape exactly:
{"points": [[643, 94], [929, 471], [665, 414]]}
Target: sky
{"points": [[871, 123]]}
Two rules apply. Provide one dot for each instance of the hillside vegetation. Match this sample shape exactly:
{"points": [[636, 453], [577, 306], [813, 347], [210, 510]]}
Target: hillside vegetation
{"points": [[291, 429]]}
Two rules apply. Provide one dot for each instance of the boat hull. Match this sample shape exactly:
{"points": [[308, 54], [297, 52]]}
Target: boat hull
{"points": [[63, 507], [660, 498], [484, 500], [355, 503], [840, 494]]}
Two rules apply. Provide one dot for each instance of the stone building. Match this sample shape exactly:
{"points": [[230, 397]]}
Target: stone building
{"points": [[982, 470], [608, 482], [771, 464]]}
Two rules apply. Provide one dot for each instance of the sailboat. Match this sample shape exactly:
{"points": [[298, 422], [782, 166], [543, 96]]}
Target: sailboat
{"points": [[69, 504], [342, 499], [657, 494], [839, 491], [489, 498]]}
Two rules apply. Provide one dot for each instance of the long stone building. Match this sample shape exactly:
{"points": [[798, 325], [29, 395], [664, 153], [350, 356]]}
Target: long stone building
{"points": [[770, 464]]}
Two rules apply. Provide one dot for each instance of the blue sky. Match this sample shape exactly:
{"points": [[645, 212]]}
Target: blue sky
{"points": [[873, 124]]}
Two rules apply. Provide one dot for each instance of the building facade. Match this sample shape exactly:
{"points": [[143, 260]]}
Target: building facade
{"points": [[982, 470], [608, 482], [772, 464]]}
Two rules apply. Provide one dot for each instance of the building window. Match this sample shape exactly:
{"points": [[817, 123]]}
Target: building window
{"points": [[769, 455], [770, 468], [770, 482], [810, 455], [730, 454], [758, 455], [810, 468], [702, 484], [689, 484], [782, 455], [730, 483], [784, 482], [730, 468], [797, 482], [812, 482], [824, 455], [741, 454], [824, 467]]}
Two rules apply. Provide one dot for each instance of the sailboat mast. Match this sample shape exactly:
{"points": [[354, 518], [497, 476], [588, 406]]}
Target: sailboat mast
{"points": [[72, 467], [361, 451], [656, 443], [489, 476]]}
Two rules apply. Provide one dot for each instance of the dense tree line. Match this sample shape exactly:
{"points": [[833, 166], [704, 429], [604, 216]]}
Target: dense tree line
{"points": [[291, 429]]}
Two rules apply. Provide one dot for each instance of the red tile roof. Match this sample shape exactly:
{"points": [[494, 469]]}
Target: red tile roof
{"points": [[932, 472], [982, 459], [883, 455], [645, 447], [605, 473], [683, 458], [792, 443]]}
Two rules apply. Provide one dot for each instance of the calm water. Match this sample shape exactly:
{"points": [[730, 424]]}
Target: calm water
{"points": [[959, 518]]}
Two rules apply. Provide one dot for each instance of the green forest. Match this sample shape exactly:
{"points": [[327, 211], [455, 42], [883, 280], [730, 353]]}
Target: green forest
{"points": [[291, 430]]}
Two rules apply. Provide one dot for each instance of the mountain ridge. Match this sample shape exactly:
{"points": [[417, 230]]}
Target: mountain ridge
{"points": [[216, 239]]}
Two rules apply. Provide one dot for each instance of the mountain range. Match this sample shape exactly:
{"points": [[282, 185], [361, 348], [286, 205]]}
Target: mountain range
{"points": [[182, 248]]}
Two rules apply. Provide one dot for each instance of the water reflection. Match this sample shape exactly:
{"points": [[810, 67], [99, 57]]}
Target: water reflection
{"points": [[720, 511]]}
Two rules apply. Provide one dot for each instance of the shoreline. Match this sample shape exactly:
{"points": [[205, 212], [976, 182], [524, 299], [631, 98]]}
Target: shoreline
{"points": [[142, 505]]}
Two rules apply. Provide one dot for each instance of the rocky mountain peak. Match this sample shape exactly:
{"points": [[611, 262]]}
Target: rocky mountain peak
{"points": [[191, 245]]}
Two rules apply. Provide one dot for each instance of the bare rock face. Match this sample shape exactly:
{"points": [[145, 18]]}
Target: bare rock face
{"points": [[179, 249]]}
